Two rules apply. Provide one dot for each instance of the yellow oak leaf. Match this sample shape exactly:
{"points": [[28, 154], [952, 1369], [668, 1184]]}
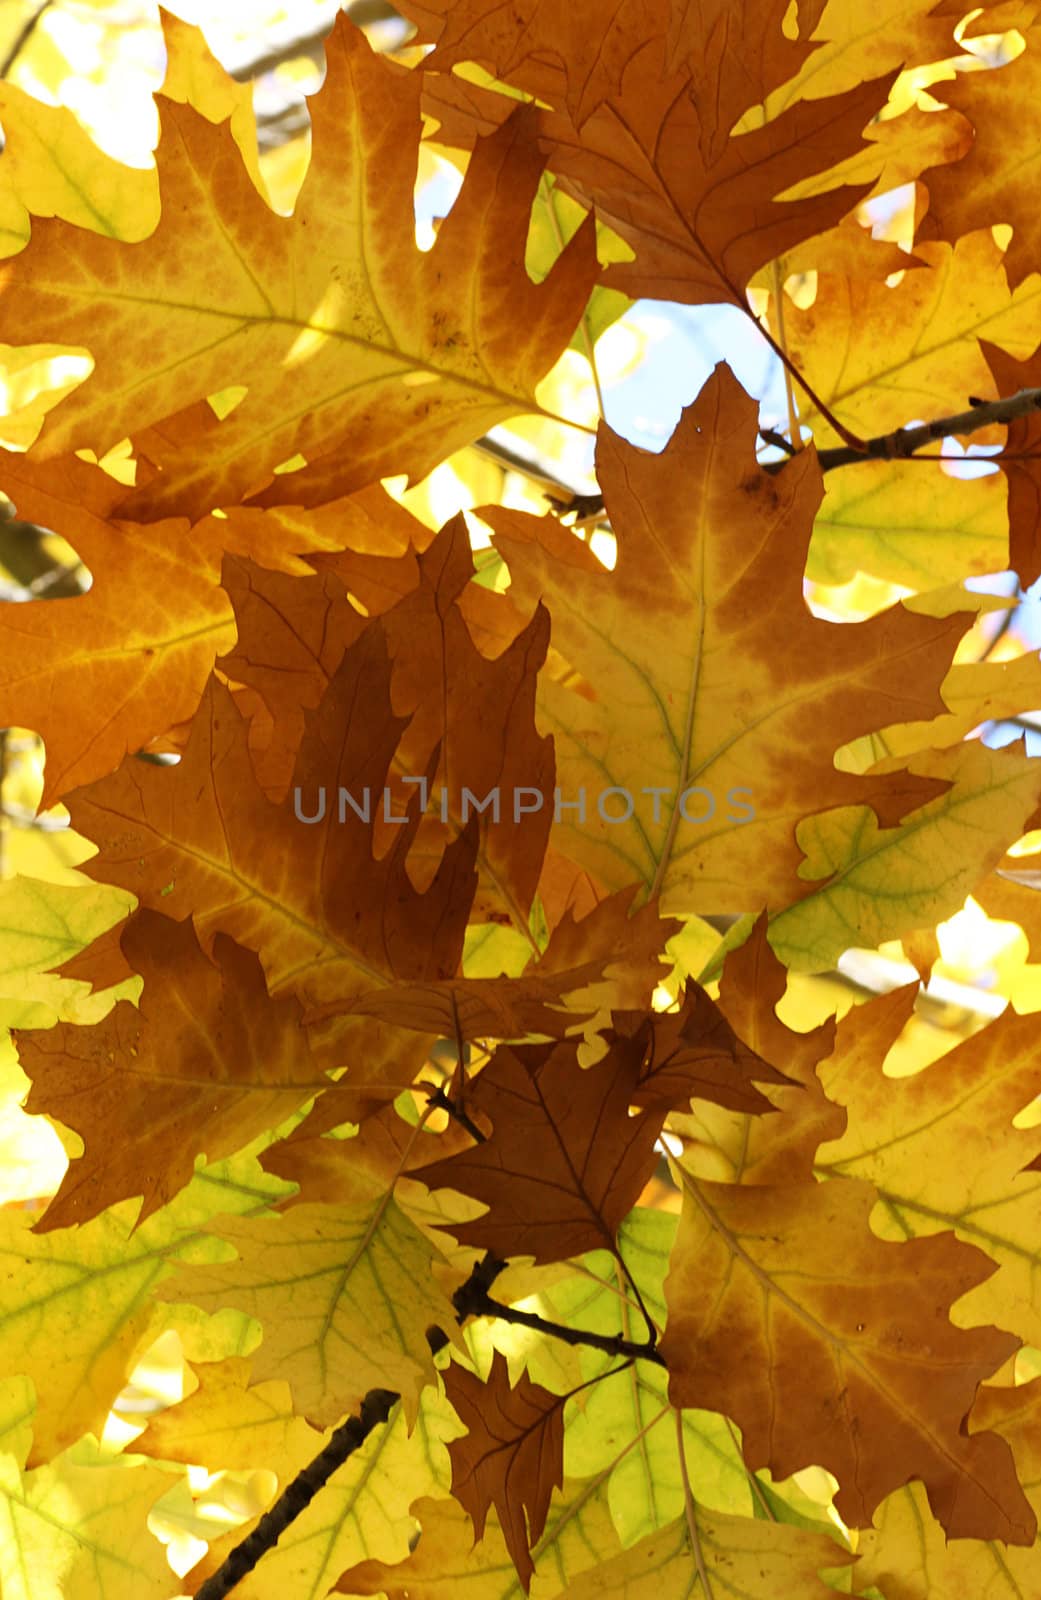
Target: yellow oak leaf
{"points": [[373, 358]]}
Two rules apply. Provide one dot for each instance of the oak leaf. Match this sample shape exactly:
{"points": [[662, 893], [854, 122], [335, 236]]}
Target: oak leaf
{"points": [[52, 168], [907, 1553], [544, 48], [745, 1557], [626, 1429], [657, 640], [44, 922], [909, 523], [104, 1271], [196, 78], [345, 342], [878, 883], [696, 205], [47, 1512], [975, 691], [512, 1454], [478, 712], [142, 641], [880, 357], [447, 1563], [726, 1140], [994, 167], [660, 165], [336, 1170], [207, 1064], [364, 1508], [608, 958], [854, 43], [345, 1295], [826, 1344], [941, 1148], [563, 1148], [695, 1052], [318, 907], [228, 1423]]}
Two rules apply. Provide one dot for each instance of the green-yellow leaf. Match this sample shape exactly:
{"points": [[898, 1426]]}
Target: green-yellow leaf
{"points": [[709, 1551], [76, 1308], [345, 1295], [882, 882], [910, 524], [362, 1513], [73, 1530]]}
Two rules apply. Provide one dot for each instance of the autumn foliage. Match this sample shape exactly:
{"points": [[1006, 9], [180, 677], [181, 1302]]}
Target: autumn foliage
{"points": [[366, 1079]]}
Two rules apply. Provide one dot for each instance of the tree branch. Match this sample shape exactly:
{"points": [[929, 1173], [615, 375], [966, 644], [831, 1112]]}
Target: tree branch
{"points": [[898, 446], [437, 1097], [613, 1344], [471, 1299], [349, 1436], [902, 444]]}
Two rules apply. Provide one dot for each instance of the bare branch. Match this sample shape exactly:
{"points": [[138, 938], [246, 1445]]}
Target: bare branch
{"points": [[613, 1344], [297, 1496], [898, 446], [901, 445]]}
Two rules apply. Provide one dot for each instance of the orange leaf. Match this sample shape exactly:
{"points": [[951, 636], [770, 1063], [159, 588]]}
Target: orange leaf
{"points": [[689, 688], [480, 713], [544, 47], [995, 170], [320, 909], [609, 958], [209, 1062], [659, 163], [695, 1052], [353, 344], [827, 1345], [140, 642]]}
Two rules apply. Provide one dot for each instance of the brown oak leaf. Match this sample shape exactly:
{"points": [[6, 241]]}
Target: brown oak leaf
{"points": [[511, 1456], [207, 1063], [565, 1162]]}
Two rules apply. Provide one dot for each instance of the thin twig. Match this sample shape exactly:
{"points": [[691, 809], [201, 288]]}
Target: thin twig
{"points": [[459, 1071], [649, 1322], [778, 440], [512, 461], [613, 1344], [348, 1437], [471, 1299], [780, 347], [903, 444], [312, 45], [437, 1097], [25, 33]]}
